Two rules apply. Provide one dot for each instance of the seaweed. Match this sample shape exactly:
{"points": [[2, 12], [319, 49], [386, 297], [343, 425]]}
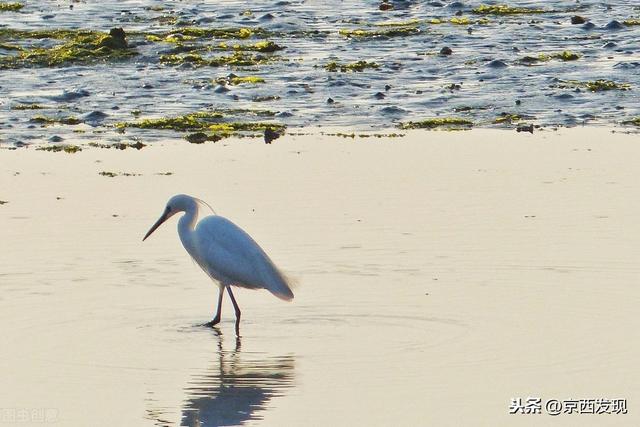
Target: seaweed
{"points": [[353, 66], [27, 107], [77, 47], [360, 34], [10, 7], [205, 125], [635, 121], [235, 59], [410, 22], [236, 80], [218, 33], [544, 57], [593, 86], [433, 123], [507, 118], [71, 149], [45, 121], [501, 9]]}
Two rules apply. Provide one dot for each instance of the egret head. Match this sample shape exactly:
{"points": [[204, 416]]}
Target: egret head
{"points": [[178, 203]]}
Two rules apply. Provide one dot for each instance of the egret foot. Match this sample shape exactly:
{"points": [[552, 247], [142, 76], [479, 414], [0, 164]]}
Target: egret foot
{"points": [[213, 322]]}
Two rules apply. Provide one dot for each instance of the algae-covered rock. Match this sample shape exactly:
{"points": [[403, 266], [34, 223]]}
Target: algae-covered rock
{"points": [[10, 7], [353, 66], [501, 9], [433, 123], [73, 47]]}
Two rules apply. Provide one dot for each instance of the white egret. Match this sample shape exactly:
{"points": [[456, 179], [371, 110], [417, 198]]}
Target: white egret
{"points": [[225, 252]]}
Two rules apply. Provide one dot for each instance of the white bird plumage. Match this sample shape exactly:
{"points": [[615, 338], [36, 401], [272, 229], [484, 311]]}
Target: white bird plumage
{"points": [[225, 252]]}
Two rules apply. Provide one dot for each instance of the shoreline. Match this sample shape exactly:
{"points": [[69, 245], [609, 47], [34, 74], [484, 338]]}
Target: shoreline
{"points": [[428, 269]]}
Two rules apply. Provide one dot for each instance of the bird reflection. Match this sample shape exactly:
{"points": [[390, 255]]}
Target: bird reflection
{"points": [[235, 389]]}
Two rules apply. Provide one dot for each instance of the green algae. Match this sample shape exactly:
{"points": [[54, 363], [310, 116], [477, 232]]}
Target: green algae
{"points": [[360, 34], [27, 107], [193, 121], [3, 202], [70, 149], [10, 7], [437, 122], [45, 121], [265, 46], [239, 59], [593, 86], [631, 22], [6, 46], [76, 47], [236, 80], [502, 9], [205, 125], [218, 33], [353, 66], [635, 121], [545, 57], [462, 20], [507, 118], [410, 22], [566, 56]]}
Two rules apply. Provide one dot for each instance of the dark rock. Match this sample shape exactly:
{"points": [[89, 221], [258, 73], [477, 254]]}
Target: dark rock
{"points": [[270, 135], [496, 63], [71, 95], [385, 6], [446, 51], [525, 128], [614, 25], [330, 101], [94, 118], [393, 110], [575, 20], [379, 95]]}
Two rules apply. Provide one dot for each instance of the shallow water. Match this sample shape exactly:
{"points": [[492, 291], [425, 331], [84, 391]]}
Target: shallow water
{"points": [[413, 81], [437, 278]]}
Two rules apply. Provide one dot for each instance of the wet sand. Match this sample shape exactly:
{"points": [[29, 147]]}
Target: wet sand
{"points": [[439, 275]]}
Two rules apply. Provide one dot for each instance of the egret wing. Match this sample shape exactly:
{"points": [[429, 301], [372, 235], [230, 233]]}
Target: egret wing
{"points": [[230, 255]]}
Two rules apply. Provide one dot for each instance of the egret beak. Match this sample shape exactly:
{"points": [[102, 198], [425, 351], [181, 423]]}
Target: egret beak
{"points": [[165, 216]]}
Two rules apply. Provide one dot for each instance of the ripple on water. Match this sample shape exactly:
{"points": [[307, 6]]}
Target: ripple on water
{"points": [[485, 54]]}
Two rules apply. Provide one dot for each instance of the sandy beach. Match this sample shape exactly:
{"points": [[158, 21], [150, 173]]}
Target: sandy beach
{"points": [[438, 275]]}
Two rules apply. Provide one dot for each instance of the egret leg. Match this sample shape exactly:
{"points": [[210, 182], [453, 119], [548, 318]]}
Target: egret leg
{"points": [[216, 319], [236, 308]]}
